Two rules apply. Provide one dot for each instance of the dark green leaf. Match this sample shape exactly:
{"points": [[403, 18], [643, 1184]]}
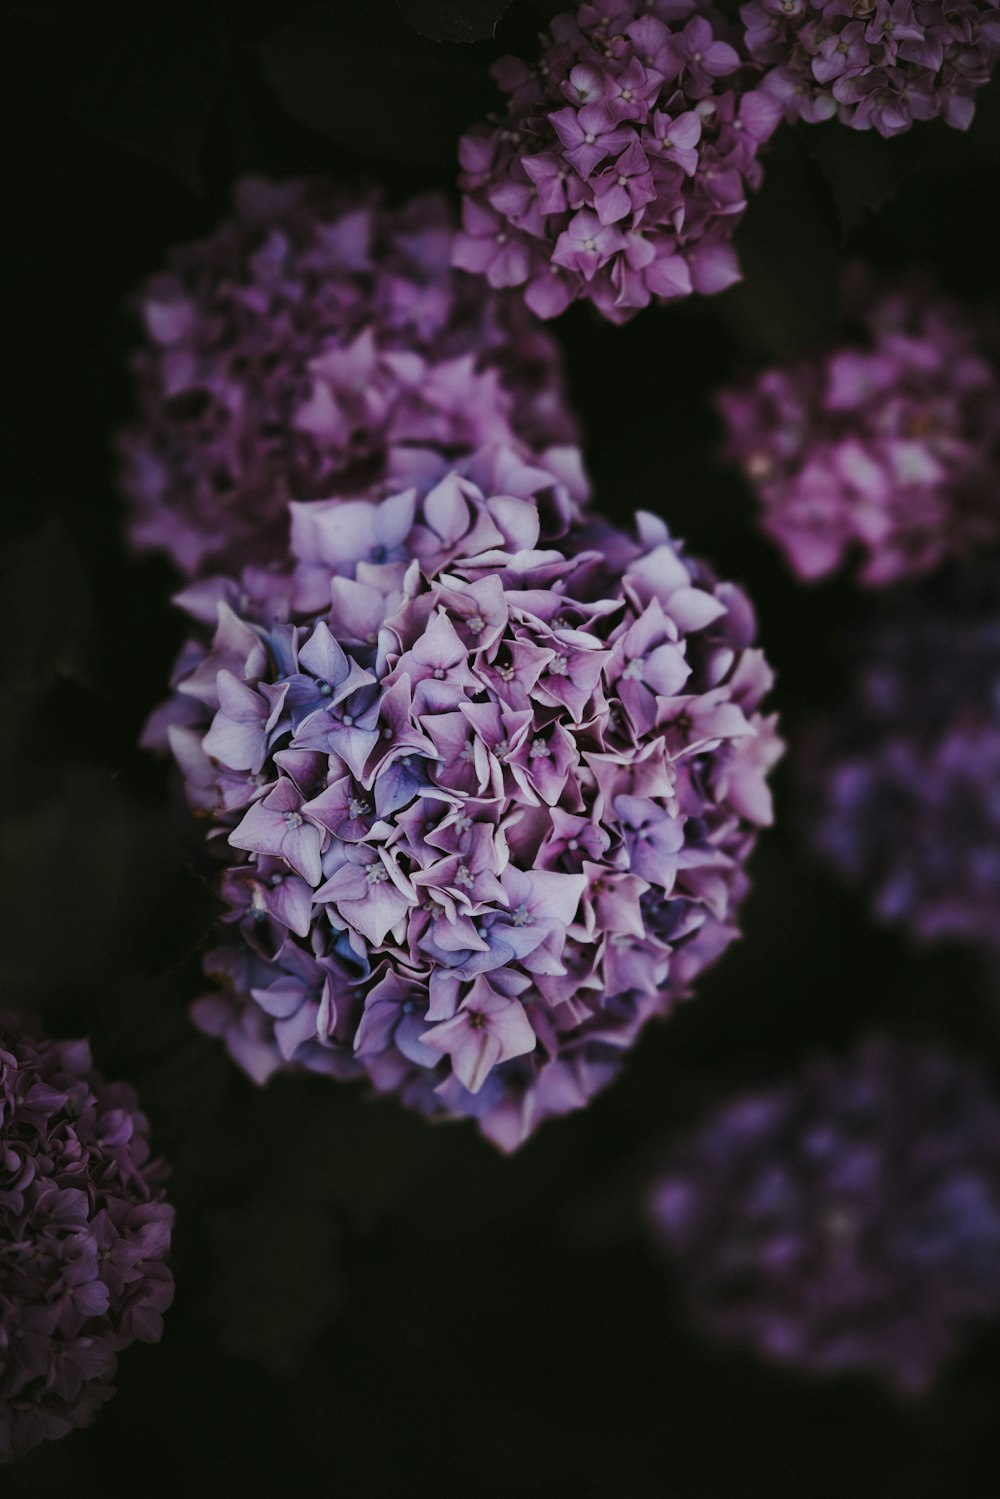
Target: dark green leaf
{"points": [[274, 1278], [787, 249], [127, 900], [44, 587], [863, 171], [454, 20], [145, 78], [354, 76]]}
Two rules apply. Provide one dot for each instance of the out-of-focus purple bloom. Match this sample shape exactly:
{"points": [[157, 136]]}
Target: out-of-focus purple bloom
{"points": [[84, 1236], [886, 445], [847, 1220], [510, 780], [621, 167], [878, 64], [907, 781], [308, 348]]}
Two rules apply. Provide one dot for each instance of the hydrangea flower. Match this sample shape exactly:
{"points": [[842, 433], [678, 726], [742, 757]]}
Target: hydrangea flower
{"points": [[874, 64], [622, 164], [84, 1236], [314, 345], [885, 446], [845, 1220], [907, 781], [484, 776]]}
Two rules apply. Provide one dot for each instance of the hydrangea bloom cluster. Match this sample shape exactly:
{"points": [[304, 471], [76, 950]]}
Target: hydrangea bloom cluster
{"points": [[908, 780], [875, 64], [488, 796], [846, 1220], [621, 167], [313, 345], [84, 1236], [886, 445]]}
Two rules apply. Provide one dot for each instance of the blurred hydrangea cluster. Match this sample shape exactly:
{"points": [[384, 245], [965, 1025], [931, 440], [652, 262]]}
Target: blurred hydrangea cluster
{"points": [[846, 1220], [84, 1236], [484, 774], [874, 64], [318, 343], [907, 781], [885, 446], [622, 164]]}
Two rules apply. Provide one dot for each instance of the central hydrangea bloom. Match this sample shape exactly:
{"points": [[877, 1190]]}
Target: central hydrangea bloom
{"points": [[621, 167], [318, 344], [487, 799], [887, 444], [848, 1219], [875, 64], [84, 1236]]}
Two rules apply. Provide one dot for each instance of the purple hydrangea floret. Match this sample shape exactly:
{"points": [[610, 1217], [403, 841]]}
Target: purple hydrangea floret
{"points": [[485, 775], [318, 344], [84, 1236], [621, 166], [907, 781], [874, 64], [885, 446], [847, 1220]]}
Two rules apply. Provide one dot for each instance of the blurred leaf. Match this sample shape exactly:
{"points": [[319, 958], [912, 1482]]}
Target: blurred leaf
{"points": [[44, 588], [863, 171], [144, 77], [275, 1280], [454, 20], [94, 887], [788, 253], [142, 1030], [353, 75]]}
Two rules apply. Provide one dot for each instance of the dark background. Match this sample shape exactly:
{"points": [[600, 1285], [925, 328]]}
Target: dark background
{"points": [[367, 1305]]}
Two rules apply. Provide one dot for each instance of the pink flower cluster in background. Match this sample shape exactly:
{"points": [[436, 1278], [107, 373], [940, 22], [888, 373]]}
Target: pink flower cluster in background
{"points": [[845, 1220], [318, 343], [84, 1236], [886, 446], [621, 166], [906, 778], [874, 64], [484, 789]]}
